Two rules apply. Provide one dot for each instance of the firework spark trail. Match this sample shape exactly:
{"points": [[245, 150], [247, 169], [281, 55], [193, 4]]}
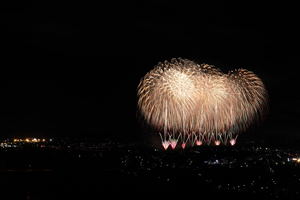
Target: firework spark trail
{"points": [[198, 103]]}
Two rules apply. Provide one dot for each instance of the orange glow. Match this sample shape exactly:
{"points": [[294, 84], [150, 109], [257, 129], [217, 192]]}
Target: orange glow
{"points": [[29, 140]]}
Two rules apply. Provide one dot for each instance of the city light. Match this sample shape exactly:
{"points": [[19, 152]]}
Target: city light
{"points": [[28, 140], [18, 142], [296, 160]]}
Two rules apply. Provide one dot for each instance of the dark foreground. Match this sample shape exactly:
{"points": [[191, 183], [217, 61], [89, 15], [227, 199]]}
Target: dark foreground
{"points": [[66, 170]]}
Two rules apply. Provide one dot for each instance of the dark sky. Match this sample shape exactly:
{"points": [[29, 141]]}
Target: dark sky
{"points": [[71, 68]]}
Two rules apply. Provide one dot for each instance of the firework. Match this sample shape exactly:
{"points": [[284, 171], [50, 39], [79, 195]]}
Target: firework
{"points": [[196, 103]]}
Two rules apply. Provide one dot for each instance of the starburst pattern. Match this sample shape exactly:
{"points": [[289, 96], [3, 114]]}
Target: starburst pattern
{"points": [[197, 103]]}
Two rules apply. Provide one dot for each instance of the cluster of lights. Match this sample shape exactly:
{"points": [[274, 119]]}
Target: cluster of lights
{"points": [[296, 160], [173, 143], [29, 140]]}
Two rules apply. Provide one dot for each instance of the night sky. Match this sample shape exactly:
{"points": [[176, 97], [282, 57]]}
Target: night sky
{"points": [[72, 68]]}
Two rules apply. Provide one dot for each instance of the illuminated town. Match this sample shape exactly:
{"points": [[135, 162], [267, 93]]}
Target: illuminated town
{"points": [[222, 169], [19, 142]]}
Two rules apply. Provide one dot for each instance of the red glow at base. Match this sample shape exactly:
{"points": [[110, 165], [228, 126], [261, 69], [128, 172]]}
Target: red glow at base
{"points": [[217, 142], [173, 144], [183, 145], [232, 142], [166, 145], [198, 143]]}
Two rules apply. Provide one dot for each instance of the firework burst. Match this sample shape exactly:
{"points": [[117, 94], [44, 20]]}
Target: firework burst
{"points": [[191, 103]]}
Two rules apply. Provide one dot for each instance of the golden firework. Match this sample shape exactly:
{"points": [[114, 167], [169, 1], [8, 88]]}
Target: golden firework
{"points": [[183, 100]]}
